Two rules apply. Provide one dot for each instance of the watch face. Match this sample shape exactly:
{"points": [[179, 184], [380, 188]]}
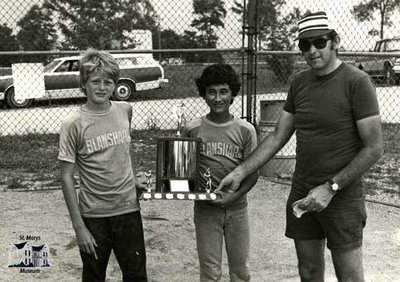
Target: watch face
{"points": [[335, 187]]}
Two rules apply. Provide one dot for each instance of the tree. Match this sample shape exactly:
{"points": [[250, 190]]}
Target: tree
{"points": [[37, 31], [169, 40], [365, 12], [209, 15], [9, 43], [101, 24], [275, 33], [188, 40]]}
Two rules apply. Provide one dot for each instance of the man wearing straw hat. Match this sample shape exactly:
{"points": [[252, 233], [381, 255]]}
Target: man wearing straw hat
{"points": [[334, 111]]}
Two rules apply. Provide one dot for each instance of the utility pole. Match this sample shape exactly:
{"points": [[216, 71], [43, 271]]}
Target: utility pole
{"points": [[159, 38]]}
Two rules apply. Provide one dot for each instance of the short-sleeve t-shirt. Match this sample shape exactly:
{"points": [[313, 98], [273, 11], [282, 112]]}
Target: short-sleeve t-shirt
{"points": [[224, 146], [99, 145], [325, 110]]}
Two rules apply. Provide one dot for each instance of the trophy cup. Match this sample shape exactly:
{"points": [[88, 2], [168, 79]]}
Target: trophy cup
{"points": [[177, 174], [177, 160]]}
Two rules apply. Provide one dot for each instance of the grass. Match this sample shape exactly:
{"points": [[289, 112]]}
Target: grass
{"points": [[385, 174], [33, 156], [33, 159], [35, 153]]}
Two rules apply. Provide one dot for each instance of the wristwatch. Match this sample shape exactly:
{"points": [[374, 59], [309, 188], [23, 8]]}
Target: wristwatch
{"points": [[334, 185]]}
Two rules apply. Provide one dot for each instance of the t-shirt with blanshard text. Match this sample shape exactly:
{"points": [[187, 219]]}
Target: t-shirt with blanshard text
{"points": [[224, 146], [99, 145]]}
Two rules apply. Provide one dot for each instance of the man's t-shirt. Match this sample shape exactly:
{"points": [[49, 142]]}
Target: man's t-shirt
{"points": [[224, 146], [99, 145], [325, 110]]}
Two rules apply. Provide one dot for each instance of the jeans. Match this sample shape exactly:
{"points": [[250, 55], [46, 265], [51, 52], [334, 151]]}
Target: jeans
{"points": [[124, 235], [213, 224]]}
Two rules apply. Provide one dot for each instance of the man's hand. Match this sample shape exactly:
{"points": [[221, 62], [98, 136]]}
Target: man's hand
{"points": [[85, 241], [318, 198], [230, 183], [225, 200]]}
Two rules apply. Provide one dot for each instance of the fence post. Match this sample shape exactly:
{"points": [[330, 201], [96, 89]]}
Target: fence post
{"points": [[251, 39]]}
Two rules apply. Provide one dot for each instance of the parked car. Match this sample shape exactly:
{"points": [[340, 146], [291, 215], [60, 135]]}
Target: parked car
{"points": [[383, 69], [61, 78]]}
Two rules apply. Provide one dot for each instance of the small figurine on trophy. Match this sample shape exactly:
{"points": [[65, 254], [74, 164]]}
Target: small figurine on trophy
{"points": [[207, 175], [149, 181], [179, 111]]}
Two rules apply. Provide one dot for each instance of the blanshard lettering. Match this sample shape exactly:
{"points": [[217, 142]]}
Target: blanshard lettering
{"points": [[107, 140], [222, 149]]}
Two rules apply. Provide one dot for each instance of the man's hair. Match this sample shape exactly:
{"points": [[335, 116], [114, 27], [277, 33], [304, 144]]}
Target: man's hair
{"points": [[218, 74], [97, 61], [332, 36]]}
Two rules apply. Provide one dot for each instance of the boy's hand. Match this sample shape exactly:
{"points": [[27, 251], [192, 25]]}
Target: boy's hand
{"points": [[86, 241], [140, 189]]}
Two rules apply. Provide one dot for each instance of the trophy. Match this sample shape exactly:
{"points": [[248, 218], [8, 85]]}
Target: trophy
{"points": [[177, 160], [177, 175], [179, 111], [207, 175], [149, 181]]}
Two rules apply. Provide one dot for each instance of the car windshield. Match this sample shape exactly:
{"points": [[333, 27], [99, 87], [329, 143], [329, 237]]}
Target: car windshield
{"points": [[51, 65], [393, 45]]}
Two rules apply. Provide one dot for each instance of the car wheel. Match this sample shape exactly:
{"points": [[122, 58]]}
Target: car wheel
{"points": [[123, 91], [14, 103]]}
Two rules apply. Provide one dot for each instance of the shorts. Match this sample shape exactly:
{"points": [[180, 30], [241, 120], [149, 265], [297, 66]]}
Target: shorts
{"points": [[341, 223]]}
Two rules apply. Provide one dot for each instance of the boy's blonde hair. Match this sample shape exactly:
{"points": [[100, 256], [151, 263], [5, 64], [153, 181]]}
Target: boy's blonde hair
{"points": [[97, 61]]}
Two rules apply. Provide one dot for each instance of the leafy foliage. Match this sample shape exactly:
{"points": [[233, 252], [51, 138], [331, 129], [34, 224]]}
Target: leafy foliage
{"points": [[104, 24], [9, 42], [276, 32], [37, 32], [109, 24], [209, 15], [366, 12]]}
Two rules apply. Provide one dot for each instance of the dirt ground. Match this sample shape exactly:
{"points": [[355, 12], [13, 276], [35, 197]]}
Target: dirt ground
{"points": [[170, 240]]}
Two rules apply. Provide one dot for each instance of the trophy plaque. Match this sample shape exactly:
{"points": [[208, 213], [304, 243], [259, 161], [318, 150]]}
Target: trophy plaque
{"points": [[177, 174]]}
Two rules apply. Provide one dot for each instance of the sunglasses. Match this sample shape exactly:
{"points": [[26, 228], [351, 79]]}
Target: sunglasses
{"points": [[319, 43]]}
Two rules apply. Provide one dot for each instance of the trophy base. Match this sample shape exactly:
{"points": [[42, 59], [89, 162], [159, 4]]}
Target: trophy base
{"points": [[178, 196]]}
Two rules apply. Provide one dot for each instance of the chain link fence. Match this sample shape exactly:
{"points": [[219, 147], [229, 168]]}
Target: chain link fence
{"points": [[162, 46]]}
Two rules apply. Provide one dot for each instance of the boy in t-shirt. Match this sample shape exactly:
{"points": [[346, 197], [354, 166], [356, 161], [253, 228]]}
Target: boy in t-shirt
{"points": [[226, 142], [96, 140]]}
